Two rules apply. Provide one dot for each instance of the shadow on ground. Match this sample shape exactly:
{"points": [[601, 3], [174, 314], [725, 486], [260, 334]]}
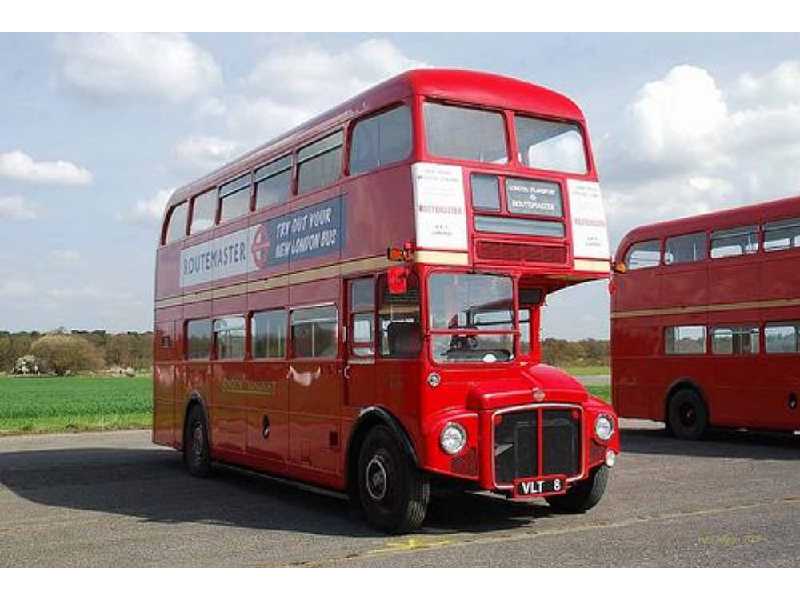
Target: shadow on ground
{"points": [[152, 485], [716, 443]]}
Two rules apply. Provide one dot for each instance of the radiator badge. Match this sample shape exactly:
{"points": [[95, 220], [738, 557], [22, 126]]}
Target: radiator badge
{"points": [[538, 395]]}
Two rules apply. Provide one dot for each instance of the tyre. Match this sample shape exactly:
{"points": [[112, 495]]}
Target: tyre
{"points": [[687, 415], [196, 453], [583, 495], [394, 494]]}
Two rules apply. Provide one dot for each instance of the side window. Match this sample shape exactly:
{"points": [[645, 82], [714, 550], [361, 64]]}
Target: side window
{"points": [[273, 182], [380, 140], [782, 235], [740, 339], [235, 198], [268, 334], [229, 338], [198, 339], [176, 227], [314, 332], [685, 339], [782, 338], [643, 254], [204, 211], [398, 320], [320, 163], [685, 249], [362, 317], [734, 242]]}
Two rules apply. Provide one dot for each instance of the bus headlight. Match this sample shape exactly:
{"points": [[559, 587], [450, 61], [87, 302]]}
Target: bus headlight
{"points": [[604, 427], [453, 438]]}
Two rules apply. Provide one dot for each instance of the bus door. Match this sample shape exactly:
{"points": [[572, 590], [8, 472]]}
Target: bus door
{"points": [[315, 388], [359, 369]]}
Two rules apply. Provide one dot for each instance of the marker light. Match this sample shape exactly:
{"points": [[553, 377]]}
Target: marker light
{"points": [[604, 427], [453, 438], [611, 458]]}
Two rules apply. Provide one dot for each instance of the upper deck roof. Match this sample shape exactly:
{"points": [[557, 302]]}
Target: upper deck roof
{"points": [[472, 87], [721, 219]]}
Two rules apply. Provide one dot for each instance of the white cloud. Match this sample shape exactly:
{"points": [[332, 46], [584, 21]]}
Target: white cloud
{"points": [[147, 212], [124, 65], [293, 83], [15, 289], [684, 147], [205, 151], [65, 258], [16, 208], [779, 86], [18, 165]]}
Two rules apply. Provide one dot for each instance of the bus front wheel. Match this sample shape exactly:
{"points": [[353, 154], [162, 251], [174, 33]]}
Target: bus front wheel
{"points": [[584, 494], [687, 415], [196, 454], [393, 492]]}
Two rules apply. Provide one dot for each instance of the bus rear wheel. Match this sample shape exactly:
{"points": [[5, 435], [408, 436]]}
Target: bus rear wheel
{"points": [[687, 415], [196, 454], [393, 492], [583, 495]]}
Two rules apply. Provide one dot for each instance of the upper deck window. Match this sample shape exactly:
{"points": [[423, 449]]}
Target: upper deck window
{"points": [[381, 140], [273, 182], [550, 145], [734, 242], [320, 163], [782, 235], [235, 198], [204, 211], [465, 133], [685, 249], [176, 227], [643, 255]]}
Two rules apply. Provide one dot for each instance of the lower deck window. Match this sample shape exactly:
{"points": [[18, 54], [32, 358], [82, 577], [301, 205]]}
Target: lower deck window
{"points": [[314, 332], [685, 339], [229, 338], [782, 338], [741, 339], [198, 339]]}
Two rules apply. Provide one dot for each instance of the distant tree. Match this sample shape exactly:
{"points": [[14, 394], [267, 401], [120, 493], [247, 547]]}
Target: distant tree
{"points": [[64, 353]]}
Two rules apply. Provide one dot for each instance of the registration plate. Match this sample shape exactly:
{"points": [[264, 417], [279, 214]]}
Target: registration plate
{"points": [[538, 487]]}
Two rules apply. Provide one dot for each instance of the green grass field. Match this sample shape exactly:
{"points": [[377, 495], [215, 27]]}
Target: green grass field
{"points": [[587, 370], [52, 404]]}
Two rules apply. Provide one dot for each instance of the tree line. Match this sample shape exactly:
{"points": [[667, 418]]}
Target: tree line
{"points": [[565, 353], [63, 351]]}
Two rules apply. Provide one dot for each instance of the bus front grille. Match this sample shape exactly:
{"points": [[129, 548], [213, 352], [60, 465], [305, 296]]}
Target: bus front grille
{"points": [[534, 253], [536, 443]]}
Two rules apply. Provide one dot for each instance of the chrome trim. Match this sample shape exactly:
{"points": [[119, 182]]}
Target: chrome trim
{"points": [[526, 407]]}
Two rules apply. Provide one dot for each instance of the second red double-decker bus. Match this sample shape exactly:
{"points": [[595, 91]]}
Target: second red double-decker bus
{"points": [[705, 321], [356, 304]]}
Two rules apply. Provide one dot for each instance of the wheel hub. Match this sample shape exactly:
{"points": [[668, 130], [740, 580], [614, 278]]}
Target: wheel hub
{"points": [[197, 442], [377, 479]]}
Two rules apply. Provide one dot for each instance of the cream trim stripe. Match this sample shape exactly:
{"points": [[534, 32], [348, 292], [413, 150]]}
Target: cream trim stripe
{"points": [[436, 257], [595, 266], [683, 310], [278, 281]]}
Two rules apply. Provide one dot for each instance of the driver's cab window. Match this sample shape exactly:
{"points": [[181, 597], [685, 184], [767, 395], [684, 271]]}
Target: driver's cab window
{"points": [[529, 301]]}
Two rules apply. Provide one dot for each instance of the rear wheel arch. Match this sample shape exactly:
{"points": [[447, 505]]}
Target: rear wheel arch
{"points": [[367, 420], [194, 400], [683, 384]]}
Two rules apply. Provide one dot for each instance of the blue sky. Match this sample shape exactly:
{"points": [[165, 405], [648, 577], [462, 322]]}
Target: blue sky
{"points": [[96, 130]]}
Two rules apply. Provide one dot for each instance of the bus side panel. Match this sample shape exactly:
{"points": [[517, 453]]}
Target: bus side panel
{"points": [[164, 384], [380, 208], [636, 384], [193, 377]]}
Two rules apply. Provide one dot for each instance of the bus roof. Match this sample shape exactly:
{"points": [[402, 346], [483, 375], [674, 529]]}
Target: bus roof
{"points": [[731, 217], [471, 87]]}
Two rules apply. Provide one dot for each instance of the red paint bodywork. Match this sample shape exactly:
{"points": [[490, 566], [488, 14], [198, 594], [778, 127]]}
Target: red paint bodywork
{"points": [[749, 390], [311, 427]]}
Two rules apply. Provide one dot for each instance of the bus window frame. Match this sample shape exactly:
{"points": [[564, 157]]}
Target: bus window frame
{"points": [[290, 351], [251, 337], [168, 221], [349, 129], [587, 154], [211, 346], [221, 198], [190, 219], [332, 131], [214, 353]]}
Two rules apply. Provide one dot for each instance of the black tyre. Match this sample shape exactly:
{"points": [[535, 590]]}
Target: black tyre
{"points": [[687, 415], [195, 444], [584, 494], [393, 492]]}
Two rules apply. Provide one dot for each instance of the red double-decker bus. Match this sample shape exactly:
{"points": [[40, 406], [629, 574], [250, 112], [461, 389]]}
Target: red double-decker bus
{"points": [[355, 304], [705, 321]]}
